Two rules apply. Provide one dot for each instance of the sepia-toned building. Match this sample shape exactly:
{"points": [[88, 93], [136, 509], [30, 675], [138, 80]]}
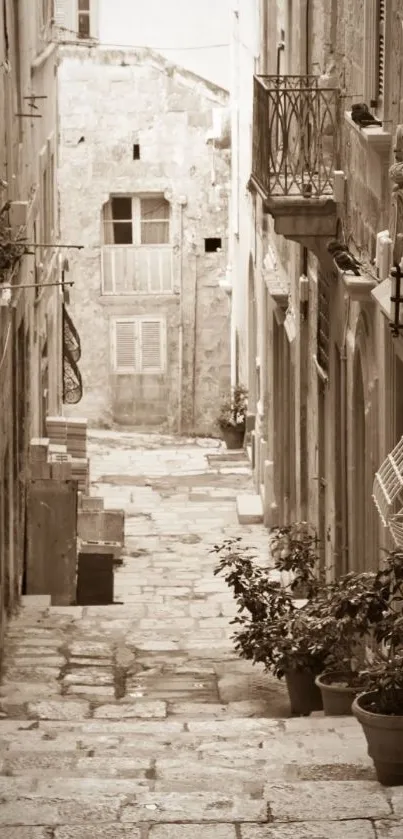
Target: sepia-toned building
{"points": [[144, 183], [314, 343], [30, 306]]}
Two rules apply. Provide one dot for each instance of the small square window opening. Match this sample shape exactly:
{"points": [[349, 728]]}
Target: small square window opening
{"points": [[136, 151], [212, 245]]}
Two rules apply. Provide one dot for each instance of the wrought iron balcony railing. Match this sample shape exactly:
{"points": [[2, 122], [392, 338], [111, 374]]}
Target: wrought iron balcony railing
{"points": [[295, 136]]}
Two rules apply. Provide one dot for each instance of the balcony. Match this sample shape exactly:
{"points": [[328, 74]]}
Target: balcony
{"points": [[137, 269], [295, 153]]}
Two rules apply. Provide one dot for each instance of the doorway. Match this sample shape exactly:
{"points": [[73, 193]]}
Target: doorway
{"points": [[359, 495]]}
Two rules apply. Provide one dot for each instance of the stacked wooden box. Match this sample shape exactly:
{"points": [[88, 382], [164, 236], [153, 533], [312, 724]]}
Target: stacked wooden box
{"points": [[72, 433], [51, 556], [49, 461]]}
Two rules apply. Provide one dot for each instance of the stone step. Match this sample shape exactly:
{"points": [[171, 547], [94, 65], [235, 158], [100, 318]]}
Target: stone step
{"points": [[238, 727], [249, 509], [61, 802]]}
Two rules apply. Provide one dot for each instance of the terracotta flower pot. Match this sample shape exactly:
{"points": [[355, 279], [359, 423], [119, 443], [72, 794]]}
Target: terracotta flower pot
{"points": [[384, 735], [233, 436], [304, 694], [337, 697]]}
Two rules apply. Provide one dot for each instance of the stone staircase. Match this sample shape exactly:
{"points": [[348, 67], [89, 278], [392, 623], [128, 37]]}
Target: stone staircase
{"points": [[138, 721], [169, 756]]}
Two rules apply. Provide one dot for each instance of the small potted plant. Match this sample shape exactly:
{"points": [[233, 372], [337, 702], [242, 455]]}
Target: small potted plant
{"points": [[349, 611], [295, 550], [232, 417], [379, 708], [271, 629]]}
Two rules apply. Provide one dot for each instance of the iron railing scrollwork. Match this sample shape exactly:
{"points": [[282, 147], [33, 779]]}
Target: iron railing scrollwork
{"points": [[295, 136], [72, 381]]}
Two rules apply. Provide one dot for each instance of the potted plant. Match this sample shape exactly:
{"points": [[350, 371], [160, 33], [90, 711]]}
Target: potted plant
{"points": [[271, 629], [232, 417], [349, 612], [379, 708], [295, 550]]}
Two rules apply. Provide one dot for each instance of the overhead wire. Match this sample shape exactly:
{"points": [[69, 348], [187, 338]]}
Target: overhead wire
{"points": [[92, 42]]}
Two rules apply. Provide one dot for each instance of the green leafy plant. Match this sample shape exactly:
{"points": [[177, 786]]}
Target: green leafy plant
{"points": [[348, 610], [270, 628], [12, 244], [233, 409], [295, 550], [383, 675]]}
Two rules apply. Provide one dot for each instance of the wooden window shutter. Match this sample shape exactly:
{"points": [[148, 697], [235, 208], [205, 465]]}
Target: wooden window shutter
{"points": [[152, 346], [323, 323], [125, 346], [63, 11], [381, 48], [374, 51]]}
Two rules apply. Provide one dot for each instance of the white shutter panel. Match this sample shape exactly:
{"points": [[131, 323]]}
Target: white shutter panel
{"points": [[125, 349], [152, 346], [65, 16]]}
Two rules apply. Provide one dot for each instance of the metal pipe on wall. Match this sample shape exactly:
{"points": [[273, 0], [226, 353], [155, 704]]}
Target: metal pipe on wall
{"points": [[180, 337]]}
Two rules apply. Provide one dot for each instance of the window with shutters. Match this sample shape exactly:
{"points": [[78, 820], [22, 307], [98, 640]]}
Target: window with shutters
{"points": [[323, 324], [47, 12], [374, 53], [83, 18], [136, 220], [138, 345], [136, 253]]}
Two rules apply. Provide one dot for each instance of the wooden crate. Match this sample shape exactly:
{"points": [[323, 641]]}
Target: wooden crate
{"points": [[52, 540]]}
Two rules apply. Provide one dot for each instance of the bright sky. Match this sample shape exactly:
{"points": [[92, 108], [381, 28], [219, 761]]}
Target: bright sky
{"points": [[176, 24]]}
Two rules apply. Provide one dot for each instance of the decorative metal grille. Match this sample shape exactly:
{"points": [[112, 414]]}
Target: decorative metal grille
{"points": [[387, 492], [71, 338], [72, 381], [323, 323], [295, 136]]}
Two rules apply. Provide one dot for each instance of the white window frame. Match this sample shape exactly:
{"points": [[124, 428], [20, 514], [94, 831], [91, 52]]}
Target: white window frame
{"points": [[136, 219], [137, 368]]}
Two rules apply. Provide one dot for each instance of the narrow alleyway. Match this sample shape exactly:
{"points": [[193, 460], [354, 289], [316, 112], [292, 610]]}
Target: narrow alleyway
{"points": [[137, 720]]}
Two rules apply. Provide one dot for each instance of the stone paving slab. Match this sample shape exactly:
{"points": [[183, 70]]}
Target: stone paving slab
{"points": [[138, 720], [357, 829], [324, 800]]}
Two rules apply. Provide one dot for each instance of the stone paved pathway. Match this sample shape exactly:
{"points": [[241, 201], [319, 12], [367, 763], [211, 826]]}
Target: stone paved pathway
{"points": [[137, 721]]}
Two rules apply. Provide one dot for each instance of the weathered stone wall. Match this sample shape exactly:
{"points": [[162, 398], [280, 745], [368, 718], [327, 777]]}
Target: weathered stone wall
{"points": [[113, 99]]}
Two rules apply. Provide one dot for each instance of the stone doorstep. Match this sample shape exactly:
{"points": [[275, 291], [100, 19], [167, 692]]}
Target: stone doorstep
{"points": [[249, 509]]}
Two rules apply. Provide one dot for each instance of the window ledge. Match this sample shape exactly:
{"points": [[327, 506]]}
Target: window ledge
{"points": [[126, 299], [382, 294], [358, 288], [374, 136]]}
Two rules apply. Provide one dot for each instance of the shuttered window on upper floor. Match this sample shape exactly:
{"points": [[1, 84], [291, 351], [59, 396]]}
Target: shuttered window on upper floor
{"points": [[381, 48], [138, 345], [374, 53]]}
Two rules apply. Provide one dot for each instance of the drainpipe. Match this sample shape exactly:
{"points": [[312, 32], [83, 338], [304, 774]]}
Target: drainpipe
{"points": [[343, 443], [196, 290], [180, 346], [307, 35]]}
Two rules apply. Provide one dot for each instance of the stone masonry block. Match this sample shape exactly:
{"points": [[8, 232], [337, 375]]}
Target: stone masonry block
{"points": [[249, 509]]}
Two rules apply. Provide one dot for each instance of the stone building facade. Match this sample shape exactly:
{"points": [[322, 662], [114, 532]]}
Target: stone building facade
{"points": [[144, 187], [323, 367], [30, 307]]}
